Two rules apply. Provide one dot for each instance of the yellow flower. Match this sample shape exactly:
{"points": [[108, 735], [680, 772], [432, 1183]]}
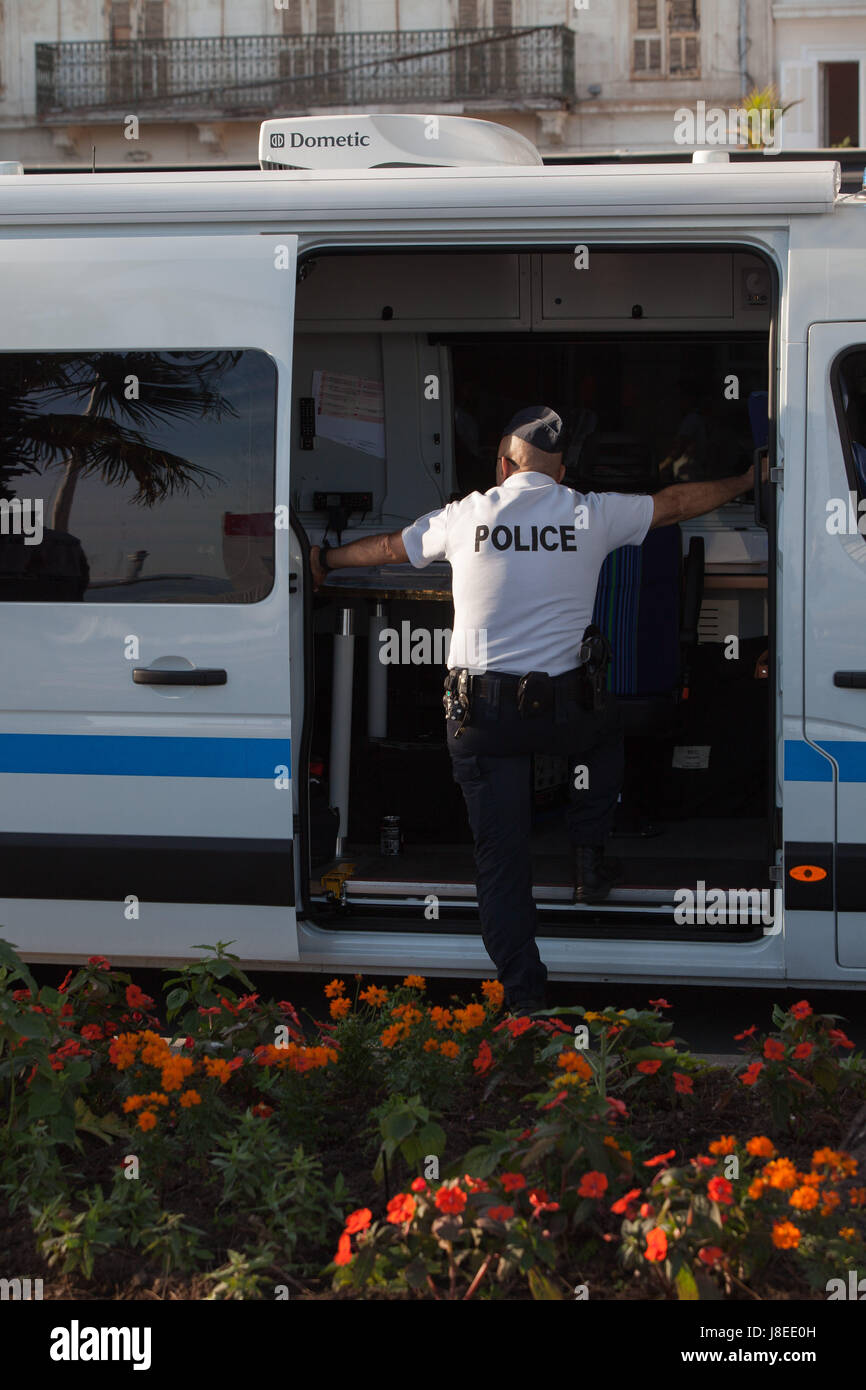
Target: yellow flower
{"points": [[591, 1017], [415, 982]]}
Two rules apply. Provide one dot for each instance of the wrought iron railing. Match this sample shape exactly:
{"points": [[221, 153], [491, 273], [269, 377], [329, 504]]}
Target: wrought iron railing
{"points": [[276, 74]]}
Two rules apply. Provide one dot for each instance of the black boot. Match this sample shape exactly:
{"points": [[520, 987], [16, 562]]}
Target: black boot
{"points": [[593, 875]]}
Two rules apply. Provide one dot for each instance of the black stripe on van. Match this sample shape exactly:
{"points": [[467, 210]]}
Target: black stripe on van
{"points": [[808, 875], [851, 878], [167, 869]]}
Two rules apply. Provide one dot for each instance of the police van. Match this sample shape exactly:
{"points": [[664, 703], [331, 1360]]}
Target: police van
{"points": [[205, 373]]}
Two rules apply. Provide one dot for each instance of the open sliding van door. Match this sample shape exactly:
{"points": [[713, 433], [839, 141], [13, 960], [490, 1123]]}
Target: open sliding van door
{"points": [[145, 754], [834, 751]]}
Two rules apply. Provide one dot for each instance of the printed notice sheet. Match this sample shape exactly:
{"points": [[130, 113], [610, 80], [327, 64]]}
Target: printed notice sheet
{"points": [[351, 411]]}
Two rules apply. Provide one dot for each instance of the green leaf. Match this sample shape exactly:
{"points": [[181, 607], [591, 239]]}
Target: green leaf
{"points": [[105, 1127], [43, 1102], [826, 1074], [30, 1025], [687, 1289], [543, 1290], [431, 1139], [398, 1125], [176, 1000]]}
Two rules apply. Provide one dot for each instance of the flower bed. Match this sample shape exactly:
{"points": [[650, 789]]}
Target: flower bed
{"points": [[218, 1146]]}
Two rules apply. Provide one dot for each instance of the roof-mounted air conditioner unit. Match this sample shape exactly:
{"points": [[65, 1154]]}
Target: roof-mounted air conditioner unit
{"points": [[370, 142]]}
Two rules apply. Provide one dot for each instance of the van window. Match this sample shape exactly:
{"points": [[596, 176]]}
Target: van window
{"points": [[137, 477], [850, 391]]}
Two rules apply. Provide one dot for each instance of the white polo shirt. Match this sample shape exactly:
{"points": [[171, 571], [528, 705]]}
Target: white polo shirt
{"points": [[525, 557]]}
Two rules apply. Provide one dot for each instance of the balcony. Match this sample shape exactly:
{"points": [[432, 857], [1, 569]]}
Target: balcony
{"points": [[272, 74]]}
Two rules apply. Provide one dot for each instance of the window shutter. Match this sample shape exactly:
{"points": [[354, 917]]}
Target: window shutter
{"points": [[326, 18], [683, 16], [292, 18], [154, 19], [503, 17], [647, 14], [467, 14], [119, 22]]}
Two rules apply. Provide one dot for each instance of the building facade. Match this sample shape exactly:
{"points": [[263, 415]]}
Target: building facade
{"points": [[178, 82]]}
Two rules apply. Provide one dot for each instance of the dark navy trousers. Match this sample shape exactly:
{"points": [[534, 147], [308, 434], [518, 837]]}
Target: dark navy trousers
{"points": [[492, 764]]}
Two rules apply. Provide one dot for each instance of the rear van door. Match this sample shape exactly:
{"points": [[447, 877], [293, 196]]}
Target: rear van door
{"points": [[145, 723]]}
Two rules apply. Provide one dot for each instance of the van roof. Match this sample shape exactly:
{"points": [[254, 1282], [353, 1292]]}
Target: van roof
{"points": [[434, 194]]}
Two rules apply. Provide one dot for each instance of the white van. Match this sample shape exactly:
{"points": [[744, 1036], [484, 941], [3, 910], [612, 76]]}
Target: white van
{"points": [[204, 373]]}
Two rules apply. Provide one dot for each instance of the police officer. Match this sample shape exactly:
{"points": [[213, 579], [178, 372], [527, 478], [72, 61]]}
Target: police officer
{"points": [[525, 675]]}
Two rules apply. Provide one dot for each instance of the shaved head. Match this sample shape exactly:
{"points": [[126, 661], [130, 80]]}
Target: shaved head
{"points": [[528, 458]]}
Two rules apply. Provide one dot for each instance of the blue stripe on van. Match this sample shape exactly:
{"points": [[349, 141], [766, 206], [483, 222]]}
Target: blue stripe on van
{"points": [[111, 755], [803, 763]]}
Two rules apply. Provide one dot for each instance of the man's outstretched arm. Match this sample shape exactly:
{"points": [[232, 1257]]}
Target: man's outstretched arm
{"points": [[685, 500], [387, 548]]}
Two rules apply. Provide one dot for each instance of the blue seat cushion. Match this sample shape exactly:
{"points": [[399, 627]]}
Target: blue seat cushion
{"points": [[637, 607]]}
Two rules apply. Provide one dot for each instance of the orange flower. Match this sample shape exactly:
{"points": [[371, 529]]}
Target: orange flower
{"points": [[781, 1174], [501, 1213], [401, 1208], [344, 1254], [340, 1007], [857, 1196], [648, 1068], [374, 996], [760, 1147], [786, 1236], [801, 1010], [848, 1233], [358, 1221], [147, 1119], [431, 1045], [830, 1202], [189, 1098], [656, 1245], [440, 1018], [493, 992], [415, 982], [450, 1199], [132, 1103], [450, 1048], [512, 1182], [773, 1049], [621, 1206], [335, 988], [659, 1159], [176, 1069], [720, 1190], [391, 1035], [592, 1184], [122, 1050], [471, 1017], [573, 1062], [756, 1188], [725, 1145], [750, 1075], [216, 1067], [804, 1198]]}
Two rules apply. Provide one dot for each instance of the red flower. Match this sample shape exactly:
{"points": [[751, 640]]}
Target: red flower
{"points": [[660, 1003], [136, 999], [358, 1221], [513, 1182], [750, 1075], [401, 1208], [669, 1043], [838, 1038], [622, 1204], [344, 1254], [646, 1209], [618, 1107], [484, 1060], [800, 1010], [557, 1100], [592, 1184], [100, 962], [684, 1084], [649, 1068], [205, 1013], [803, 1050], [262, 1111], [704, 1161], [659, 1159], [720, 1190], [450, 1200], [539, 1199], [656, 1245], [92, 1032], [500, 1213], [61, 989], [711, 1255], [773, 1049], [746, 1033], [797, 1077], [418, 1185]]}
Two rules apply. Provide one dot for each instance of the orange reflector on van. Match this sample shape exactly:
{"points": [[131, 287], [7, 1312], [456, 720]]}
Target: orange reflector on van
{"points": [[807, 873]]}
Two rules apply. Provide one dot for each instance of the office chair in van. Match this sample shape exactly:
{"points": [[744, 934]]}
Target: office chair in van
{"points": [[648, 603]]}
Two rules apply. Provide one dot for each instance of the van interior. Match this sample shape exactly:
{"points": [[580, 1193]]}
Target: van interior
{"points": [[407, 364]]}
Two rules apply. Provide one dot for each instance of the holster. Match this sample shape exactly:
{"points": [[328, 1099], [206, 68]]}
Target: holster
{"points": [[594, 658]]}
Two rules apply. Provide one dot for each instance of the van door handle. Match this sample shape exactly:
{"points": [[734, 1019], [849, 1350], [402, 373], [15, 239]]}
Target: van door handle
{"points": [[143, 675], [850, 680]]}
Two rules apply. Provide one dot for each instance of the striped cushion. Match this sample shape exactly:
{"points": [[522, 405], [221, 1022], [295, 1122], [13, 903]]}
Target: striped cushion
{"points": [[637, 607]]}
